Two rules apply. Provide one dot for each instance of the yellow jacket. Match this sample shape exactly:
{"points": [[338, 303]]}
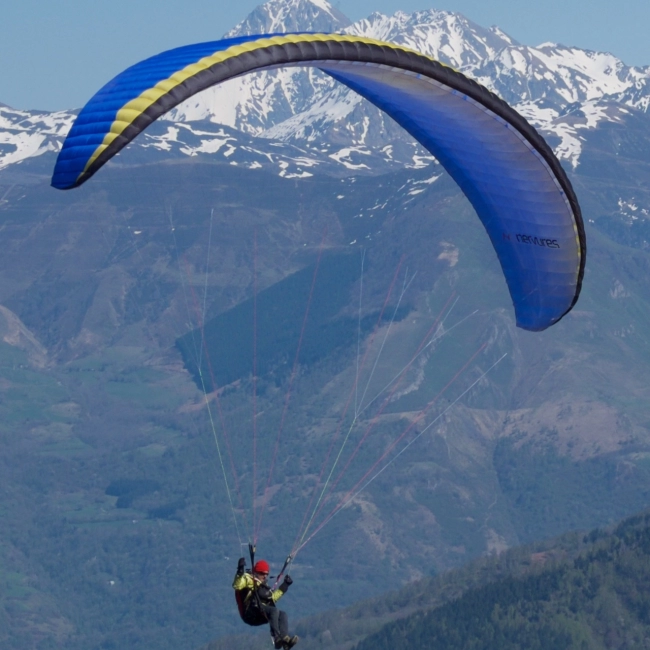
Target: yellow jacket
{"points": [[246, 582]]}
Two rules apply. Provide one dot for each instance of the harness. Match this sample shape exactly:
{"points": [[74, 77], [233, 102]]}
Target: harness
{"points": [[250, 601], [250, 606]]}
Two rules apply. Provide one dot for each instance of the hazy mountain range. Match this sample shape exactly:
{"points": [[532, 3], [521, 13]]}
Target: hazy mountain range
{"points": [[117, 529], [566, 92]]}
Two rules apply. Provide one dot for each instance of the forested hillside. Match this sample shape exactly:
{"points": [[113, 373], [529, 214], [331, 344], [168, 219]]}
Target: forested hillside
{"points": [[577, 592], [599, 600], [301, 319]]}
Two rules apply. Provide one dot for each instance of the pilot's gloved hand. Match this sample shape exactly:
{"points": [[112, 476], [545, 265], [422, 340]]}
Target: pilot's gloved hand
{"points": [[241, 566], [286, 583]]}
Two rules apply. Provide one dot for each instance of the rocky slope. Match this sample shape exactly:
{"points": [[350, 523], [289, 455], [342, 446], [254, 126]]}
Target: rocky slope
{"points": [[198, 217]]}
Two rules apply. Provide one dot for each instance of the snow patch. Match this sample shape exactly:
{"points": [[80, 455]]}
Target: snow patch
{"points": [[344, 157]]}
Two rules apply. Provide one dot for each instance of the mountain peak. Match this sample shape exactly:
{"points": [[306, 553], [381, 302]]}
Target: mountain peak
{"points": [[306, 106], [443, 35], [291, 16], [497, 31]]}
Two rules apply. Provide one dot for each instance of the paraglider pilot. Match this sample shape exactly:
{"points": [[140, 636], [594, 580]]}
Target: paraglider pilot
{"points": [[256, 601]]}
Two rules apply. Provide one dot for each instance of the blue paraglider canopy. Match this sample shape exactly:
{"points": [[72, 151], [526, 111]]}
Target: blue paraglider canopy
{"points": [[505, 168]]}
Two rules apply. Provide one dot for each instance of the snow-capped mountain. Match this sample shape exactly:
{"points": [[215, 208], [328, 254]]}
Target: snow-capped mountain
{"points": [[25, 137], [442, 35], [551, 85], [228, 145], [564, 91], [283, 16], [25, 134], [562, 75], [337, 114], [561, 90], [256, 102]]}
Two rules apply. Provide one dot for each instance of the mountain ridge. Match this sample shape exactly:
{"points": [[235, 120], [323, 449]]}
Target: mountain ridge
{"points": [[529, 575], [308, 109], [189, 225]]}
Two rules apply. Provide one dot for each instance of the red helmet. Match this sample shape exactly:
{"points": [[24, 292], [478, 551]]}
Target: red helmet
{"points": [[261, 567]]}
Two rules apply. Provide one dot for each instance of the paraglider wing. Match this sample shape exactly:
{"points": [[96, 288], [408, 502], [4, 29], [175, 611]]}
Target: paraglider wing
{"points": [[505, 168]]}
